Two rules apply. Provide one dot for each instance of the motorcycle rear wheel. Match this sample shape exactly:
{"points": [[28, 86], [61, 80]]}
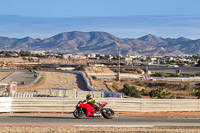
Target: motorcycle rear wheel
{"points": [[79, 114], [107, 113]]}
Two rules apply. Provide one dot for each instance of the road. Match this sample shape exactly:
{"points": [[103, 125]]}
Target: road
{"points": [[183, 70], [20, 76], [117, 121]]}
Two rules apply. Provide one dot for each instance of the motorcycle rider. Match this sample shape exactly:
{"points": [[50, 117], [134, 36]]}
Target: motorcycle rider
{"points": [[92, 101]]}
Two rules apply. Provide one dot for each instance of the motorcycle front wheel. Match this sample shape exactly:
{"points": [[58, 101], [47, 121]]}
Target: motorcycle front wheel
{"points": [[79, 114], [107, 113]]}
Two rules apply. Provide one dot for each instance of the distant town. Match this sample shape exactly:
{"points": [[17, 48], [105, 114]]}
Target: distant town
{"points": [[136, 60]]}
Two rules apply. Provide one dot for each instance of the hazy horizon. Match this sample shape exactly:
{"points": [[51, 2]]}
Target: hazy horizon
{"points": [[172, 26], [122, 18]]}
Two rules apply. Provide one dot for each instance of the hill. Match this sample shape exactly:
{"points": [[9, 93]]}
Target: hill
{"points": [[104, 43]]}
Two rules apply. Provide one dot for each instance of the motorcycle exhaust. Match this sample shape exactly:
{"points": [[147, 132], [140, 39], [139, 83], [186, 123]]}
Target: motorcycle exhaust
{"points": [[98, 114]]}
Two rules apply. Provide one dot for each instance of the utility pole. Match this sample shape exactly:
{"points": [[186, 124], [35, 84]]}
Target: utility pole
{"points": [[118, 46]]}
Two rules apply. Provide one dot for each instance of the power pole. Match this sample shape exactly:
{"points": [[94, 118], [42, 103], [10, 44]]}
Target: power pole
{"points": [[118, 46]]}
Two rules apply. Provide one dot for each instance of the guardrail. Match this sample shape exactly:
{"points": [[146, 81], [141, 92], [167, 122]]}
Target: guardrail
{"points": [[117, 104], [175, 78]]}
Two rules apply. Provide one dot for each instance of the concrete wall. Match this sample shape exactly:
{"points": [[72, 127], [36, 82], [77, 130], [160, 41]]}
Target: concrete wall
{"points": [[52, 104]]}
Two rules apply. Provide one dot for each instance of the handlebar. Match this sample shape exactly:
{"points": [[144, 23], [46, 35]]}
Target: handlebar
{"points": [[81, 101]]}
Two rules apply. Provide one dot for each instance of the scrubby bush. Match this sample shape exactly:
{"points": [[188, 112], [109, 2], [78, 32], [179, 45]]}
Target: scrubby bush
{"points": [[158, 74], [175, 75], [161, 74], [198, 63], [198, 74], [191, 74], [156, 84], [188, 87], [130, 91], [144, 92], [197, 92], [94, 77], [37, 67], [160, 93]]}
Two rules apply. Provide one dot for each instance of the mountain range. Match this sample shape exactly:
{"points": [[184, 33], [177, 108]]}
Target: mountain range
{"points": [[104, 43]]}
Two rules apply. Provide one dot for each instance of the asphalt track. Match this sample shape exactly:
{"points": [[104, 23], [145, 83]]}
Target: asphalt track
{"points": [[117, 121], [20, 76]]}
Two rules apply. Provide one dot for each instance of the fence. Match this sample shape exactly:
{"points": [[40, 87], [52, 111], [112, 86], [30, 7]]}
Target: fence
{"points": [[7, 94], [54, 93], [8, 104], [175, 78], [114, 75]]}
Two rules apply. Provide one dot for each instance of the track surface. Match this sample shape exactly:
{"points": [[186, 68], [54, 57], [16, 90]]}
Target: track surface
{"points": [[20, 76], [117, 121]]}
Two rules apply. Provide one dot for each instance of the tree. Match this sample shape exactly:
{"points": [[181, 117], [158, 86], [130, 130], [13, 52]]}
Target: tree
{"points": [[160, 93], [107, 57], [94, 77], [115, 57], [198, 63], [61, 56], [24, 53], [158, 74], [130, 91], [198, 74]]}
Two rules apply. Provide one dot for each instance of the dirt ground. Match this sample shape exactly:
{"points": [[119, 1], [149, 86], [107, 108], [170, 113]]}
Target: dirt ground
{"points": [[159, 114], [4, 74], [98, 84], [120, 114], [60, 80], [96, 69], [78, 129]]}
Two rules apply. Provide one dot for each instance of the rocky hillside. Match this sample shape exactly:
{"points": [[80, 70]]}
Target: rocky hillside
{"points": [[104, 43]]}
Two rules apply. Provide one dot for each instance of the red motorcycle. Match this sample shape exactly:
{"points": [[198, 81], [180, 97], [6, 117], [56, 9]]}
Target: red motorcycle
{"points": [[87, 110]]}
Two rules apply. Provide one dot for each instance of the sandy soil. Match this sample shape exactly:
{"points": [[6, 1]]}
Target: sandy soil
{"points": [[98, 83], [11, 60], [4, 74], [60, 80], [97, 69], [76, 129], [120, 114]]}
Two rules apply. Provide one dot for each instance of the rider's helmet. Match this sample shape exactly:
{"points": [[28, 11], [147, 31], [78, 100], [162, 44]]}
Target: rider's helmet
{"points": [[88, 96]]}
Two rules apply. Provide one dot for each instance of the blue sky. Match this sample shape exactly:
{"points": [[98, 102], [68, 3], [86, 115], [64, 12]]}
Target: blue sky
{"points": [[82, 8], [122, 18]]}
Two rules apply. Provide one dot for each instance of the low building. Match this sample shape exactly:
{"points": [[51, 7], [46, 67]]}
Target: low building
{"points": [[77, 56], [143, 63]]}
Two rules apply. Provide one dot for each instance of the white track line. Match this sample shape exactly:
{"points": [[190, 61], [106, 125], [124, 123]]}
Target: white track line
{"points": [[113, 125]]}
